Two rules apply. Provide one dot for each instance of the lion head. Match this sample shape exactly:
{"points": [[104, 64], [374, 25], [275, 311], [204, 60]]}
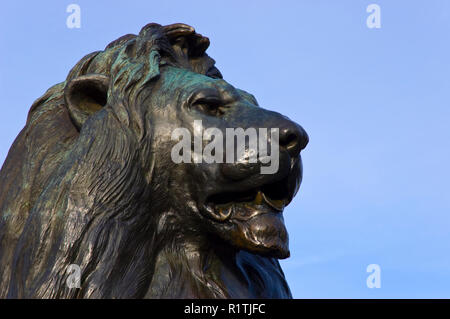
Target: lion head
{"points": [[91, 181]]}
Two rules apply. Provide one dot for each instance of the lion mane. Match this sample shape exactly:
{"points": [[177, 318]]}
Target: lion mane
{"points": [[110, 232]]}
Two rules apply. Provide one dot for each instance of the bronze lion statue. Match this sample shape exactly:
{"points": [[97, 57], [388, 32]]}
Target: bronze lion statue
{"points": [[90, 181]]}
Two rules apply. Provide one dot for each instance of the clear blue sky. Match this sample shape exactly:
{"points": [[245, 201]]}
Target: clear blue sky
{"points": [[375, 103]]}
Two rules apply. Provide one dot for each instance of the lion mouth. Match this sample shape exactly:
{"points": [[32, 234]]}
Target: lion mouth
{"points": [[244, 205]]}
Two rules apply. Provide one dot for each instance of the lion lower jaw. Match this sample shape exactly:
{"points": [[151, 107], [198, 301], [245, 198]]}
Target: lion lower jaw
{"points": [[257, 229], [244, 211]]}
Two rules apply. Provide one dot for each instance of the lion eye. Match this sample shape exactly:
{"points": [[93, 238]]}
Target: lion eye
{"points": [[210, 106]]}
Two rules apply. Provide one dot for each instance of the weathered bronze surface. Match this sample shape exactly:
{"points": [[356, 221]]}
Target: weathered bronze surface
{"points": [[90, 181]]}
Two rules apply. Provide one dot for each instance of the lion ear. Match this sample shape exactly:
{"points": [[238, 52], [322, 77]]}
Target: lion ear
{"points": [[86, 95]]}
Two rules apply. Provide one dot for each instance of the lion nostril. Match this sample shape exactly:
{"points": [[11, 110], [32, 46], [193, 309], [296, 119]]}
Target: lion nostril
{"points": [[290, 141], [293, 139]]}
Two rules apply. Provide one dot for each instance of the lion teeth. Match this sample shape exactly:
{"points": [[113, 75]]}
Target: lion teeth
{"points": [[259, 198], [228, 212], [275, 204], [223, 213]]}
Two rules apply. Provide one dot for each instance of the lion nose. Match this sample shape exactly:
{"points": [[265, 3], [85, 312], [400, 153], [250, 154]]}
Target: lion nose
{"points": [[293, 138]]}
